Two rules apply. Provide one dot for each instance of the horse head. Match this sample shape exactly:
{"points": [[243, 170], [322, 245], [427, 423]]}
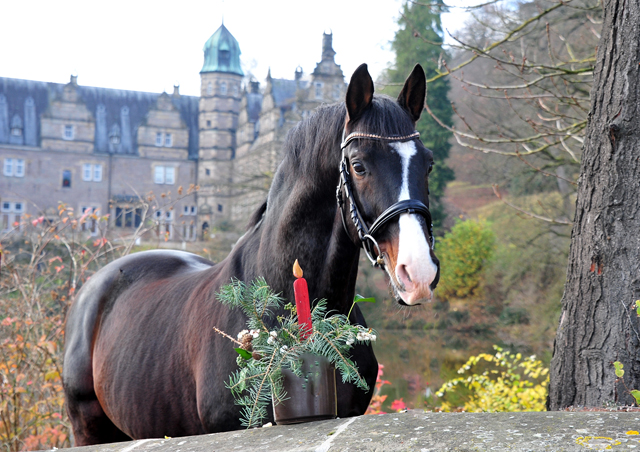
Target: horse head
{"points": [[385, 178]]}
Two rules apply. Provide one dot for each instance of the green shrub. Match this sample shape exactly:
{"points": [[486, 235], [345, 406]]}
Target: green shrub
{"points": [[464, 253]]}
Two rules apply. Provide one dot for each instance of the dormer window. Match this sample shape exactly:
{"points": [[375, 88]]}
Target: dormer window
{"points": [[318, 87], [159, 139], [16, 126], [68, 132]]}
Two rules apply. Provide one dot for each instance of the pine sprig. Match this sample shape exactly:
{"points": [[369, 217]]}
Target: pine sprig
{"points": [[258, 381]]}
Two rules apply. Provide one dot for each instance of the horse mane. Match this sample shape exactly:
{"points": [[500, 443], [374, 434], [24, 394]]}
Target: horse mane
{"points": [[312, 140], [257, 216]]}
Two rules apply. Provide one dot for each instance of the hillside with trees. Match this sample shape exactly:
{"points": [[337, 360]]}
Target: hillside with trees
{"points": [[520, 75]]}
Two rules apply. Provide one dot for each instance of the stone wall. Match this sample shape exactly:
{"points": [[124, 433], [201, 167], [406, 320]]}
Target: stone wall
{"points": [[416, 430]]}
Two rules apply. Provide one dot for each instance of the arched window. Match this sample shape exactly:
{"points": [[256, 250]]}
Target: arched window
{"points": [[223, 88]]}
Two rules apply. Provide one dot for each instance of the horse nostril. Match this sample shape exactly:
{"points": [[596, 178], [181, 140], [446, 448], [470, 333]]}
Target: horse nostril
{"points": [[404, 278]]}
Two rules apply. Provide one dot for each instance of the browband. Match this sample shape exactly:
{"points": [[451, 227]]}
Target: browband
{"points": [[355, 135]]}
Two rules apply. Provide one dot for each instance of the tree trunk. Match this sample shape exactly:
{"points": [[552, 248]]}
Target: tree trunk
{"points": [[598, 324]]}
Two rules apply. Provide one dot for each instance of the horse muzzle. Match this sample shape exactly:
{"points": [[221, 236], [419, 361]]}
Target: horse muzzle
{"points": [[411, 266]]}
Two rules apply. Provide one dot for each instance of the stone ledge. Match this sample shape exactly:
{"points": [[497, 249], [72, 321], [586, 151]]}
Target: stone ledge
{"points": [[416, 430]]}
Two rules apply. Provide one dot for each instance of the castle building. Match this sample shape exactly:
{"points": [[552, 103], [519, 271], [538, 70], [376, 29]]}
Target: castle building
{"points": [[115, 152]]}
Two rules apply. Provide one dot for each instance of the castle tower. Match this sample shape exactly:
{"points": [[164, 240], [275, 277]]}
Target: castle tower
{"points": [[220, 98], [327, 80]]}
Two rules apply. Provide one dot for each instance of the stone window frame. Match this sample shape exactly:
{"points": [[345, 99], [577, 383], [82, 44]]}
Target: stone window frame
{"points": [[67, 176], [170, 170], [92, 172], [159, 139], [164, 223], [97, 172], [14, 167], [11, 213], [189, 210], [223, 88], [90, 224], [318, 86], [168, 140], [164, 175], [127, 216], [68, 133], [158, 174]]}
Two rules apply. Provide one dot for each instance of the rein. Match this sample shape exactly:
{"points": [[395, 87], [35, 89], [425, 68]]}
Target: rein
{"points": [[366, 234]]}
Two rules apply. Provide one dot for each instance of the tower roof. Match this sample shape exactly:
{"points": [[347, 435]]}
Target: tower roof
{"points": [[222, 53]]}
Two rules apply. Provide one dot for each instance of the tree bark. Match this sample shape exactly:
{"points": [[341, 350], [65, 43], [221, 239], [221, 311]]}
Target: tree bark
{"points": [[598, 324]]}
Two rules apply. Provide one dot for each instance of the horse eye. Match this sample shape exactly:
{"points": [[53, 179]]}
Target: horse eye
{"points": [[430, 168], [358, 168]]}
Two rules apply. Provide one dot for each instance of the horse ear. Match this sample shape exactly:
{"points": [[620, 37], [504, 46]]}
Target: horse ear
{"points": [[413, 93], [359, 93]]}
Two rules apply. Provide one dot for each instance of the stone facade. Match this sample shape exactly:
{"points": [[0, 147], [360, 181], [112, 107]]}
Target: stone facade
{"points": [[109, 150]]}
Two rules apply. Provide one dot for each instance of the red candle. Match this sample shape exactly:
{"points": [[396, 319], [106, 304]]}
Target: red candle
{"points": [[301, 292]]}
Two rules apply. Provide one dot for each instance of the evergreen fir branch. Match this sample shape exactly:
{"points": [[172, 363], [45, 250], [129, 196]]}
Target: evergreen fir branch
{"points": [[259, 381]]}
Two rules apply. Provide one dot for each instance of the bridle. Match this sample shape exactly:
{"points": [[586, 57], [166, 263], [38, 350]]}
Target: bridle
{"points": [[366, 234]]}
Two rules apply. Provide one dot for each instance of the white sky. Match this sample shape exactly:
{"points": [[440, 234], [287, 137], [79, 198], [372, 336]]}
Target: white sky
{"points": [[151, 45]]}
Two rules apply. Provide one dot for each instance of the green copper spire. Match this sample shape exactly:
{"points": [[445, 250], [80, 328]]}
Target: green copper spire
{"points": [[222, 53]]}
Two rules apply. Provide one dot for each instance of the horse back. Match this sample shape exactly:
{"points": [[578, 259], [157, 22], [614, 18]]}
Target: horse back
{"points": [[96, 318]]}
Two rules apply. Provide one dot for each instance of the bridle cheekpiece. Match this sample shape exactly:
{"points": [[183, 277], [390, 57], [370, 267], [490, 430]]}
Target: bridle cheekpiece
{"points": [[366, 234]]}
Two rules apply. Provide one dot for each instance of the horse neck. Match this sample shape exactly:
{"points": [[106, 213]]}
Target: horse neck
{"points": [[303, 222]]}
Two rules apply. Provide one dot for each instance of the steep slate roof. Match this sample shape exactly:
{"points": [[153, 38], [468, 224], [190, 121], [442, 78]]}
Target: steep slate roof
{"points": [[284, 91], [16, 91]]}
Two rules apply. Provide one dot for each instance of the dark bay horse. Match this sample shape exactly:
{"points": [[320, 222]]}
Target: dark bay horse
{"points": [[141, 359]]}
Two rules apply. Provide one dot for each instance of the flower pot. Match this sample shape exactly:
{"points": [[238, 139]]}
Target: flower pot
{"points": [[311, 397]]}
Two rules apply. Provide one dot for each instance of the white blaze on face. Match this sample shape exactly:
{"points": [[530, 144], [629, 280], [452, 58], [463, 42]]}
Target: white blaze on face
{"points": [[414, 267]]}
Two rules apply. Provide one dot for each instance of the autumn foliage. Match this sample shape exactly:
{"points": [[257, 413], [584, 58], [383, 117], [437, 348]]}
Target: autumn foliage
{"points": [[44, 262]]}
